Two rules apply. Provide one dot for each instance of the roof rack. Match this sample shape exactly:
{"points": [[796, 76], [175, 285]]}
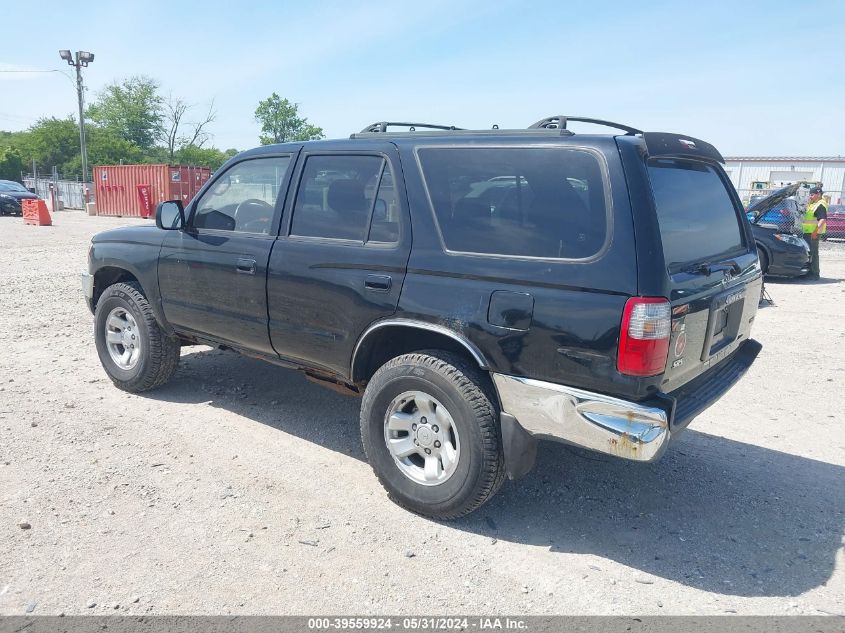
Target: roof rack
{"points": [[381, 126], [559, 121], [657, 143]]}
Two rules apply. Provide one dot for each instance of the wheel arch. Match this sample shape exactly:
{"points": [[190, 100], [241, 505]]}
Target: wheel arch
{"points": [[109, 275], [765, 250], [387, 339]]}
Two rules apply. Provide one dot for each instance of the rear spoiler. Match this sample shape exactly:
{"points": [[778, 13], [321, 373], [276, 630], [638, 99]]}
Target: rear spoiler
{"points": [[666, 144]]}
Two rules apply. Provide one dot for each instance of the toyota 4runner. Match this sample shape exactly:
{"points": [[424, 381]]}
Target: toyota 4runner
{"points": [[480, 289]]}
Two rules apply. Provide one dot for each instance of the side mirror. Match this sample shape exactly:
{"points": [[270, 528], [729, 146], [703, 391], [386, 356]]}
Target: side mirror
{"points": [[170, 215]]}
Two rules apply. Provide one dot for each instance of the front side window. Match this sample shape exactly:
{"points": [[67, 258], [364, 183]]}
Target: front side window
{"points": [[524, 202], [244, 198]]}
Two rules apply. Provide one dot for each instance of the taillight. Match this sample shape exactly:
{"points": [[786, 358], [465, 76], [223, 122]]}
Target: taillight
{"points": [[644, 339]]}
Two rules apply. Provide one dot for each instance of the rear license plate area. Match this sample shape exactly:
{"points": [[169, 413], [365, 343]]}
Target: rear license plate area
{"points": [[725, 320]]}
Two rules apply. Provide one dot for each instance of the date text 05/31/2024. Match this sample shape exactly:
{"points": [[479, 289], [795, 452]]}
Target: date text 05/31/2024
{"points": [[417, 624]]}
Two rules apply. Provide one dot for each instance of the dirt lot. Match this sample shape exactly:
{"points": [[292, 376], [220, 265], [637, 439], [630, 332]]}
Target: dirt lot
{"points": [[241, 487]]}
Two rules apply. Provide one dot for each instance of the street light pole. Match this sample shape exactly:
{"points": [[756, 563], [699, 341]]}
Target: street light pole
{"points": [[80, 97], [80, 59]]}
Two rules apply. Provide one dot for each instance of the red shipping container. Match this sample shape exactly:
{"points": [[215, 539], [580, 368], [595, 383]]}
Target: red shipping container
{"points": [[117, 191]]}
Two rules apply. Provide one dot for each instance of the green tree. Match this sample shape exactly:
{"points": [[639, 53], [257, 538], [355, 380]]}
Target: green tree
{"points": [[8, 139], [210, 157], [11, 164], [50, 142], [128, 123], [280, 122], [54, 142], [132, 109], [105, 147]]}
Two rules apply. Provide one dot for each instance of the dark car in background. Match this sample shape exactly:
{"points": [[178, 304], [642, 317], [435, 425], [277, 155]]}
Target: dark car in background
{"points": [[11, 195], [835, 222], [776, 225], [784, 216]]}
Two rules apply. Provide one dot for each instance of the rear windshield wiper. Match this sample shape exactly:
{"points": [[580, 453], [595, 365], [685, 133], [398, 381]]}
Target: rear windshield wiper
{"points": [[708, 268]]}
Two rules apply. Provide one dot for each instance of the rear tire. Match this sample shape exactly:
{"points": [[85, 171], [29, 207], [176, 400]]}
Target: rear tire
{"points": [[455, 432], [133, 349]]}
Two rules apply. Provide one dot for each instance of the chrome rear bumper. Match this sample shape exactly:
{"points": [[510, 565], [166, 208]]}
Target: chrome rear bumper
{"points": [[582, 418]]}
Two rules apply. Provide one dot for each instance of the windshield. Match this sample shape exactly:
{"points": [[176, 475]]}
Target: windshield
{"points": [[11, 186], [698, 221]]}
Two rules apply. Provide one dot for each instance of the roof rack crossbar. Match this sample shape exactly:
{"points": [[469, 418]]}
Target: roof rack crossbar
{"points": [[559, 121], [381, 126]]}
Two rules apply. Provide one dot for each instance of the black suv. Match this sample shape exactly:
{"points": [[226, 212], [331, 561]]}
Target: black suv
{"points": [[481, 289]]}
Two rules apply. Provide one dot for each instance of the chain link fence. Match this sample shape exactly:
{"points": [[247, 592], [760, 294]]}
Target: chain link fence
{"points": [[70, 191]]}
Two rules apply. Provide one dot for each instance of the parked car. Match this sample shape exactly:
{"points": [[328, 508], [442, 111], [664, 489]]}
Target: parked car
{"points": [[11, 194], [471, 326], [785, 216], [776, 225], [754, 199], [835, 221]]}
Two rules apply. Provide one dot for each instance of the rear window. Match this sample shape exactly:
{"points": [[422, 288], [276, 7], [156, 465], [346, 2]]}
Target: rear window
{"points": [[523, 202], [697, 217]]}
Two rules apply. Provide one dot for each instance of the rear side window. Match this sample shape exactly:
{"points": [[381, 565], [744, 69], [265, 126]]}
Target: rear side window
{"points": [[698, 221], [523, 202], [336, 197]]}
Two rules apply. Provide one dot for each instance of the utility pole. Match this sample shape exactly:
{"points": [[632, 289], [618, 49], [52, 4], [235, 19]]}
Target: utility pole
{"points": [[80, 97], [78, 61]]}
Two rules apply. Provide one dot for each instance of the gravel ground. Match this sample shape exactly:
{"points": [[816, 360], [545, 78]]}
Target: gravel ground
{"points": [[241, 488]]}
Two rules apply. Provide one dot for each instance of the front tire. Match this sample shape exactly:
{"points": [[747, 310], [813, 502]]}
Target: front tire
{"points": [[430, 429], [133, 349]]}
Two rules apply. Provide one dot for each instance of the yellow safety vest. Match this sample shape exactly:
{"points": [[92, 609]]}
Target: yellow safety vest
{"points": [[810, 222]]}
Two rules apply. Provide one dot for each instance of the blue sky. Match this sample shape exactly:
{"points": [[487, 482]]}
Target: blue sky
{"points": [[752, 78]]}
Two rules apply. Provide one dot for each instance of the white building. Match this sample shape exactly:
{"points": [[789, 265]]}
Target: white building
{"points": [[755, 174]]}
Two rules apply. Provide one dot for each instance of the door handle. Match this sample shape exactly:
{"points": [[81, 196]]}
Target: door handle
{"points": [[246, 266], [377, 282]]}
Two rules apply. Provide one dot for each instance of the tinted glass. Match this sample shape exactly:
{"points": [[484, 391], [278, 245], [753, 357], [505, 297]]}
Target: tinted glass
{"points": [[12, 186], [335, 196], [528, 202], [697, 217], [243, 198], [385, 223]]}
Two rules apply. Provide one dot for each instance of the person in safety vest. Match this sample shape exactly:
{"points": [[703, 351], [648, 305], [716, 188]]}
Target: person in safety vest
{"points": [[815, 224]]}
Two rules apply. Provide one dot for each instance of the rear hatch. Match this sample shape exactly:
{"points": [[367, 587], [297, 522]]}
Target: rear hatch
{"points": [[713, 277]]}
